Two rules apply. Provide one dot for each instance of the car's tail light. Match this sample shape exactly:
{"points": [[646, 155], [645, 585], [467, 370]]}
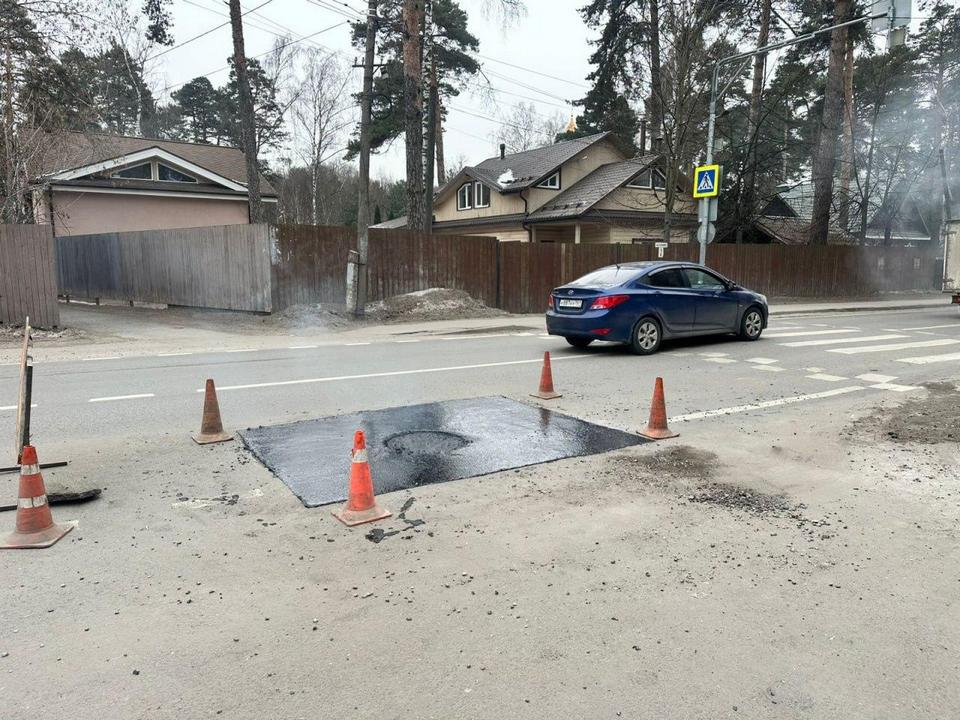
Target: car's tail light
{"points": [[550, 301], [608, 301]]}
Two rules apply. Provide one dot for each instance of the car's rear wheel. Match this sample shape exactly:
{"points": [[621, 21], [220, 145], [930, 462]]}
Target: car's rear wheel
{"points": [[646, 336], [579, 342], [751, 324]]}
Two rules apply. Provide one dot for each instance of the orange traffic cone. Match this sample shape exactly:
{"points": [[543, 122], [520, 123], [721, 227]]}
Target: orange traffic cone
{"points": [[546, 391], [361, 506], [657, 425], [35, 526], [211, 427]]}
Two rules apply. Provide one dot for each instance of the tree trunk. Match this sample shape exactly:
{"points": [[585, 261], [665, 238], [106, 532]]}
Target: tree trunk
{"points": [[438, 135], [748, 197], [846, 168], [656, 95], [825, 159], [247, 123], [868, 177], [430, 151], [413, 109]]}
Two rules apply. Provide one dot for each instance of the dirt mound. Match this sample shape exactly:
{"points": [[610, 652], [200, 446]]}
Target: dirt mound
{"points": [[934, 418], [430, 304], [313, 315], [681, 461], [10, 335], [741, 498]]}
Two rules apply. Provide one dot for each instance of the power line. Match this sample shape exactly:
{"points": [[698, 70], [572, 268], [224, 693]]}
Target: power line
{"points": [[203, 34], [278, 47], [535, 72]]}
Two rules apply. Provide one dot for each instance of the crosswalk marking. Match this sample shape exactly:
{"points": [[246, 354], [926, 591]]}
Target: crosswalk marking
{"points": [[894, 387], [826, 378], [838, 341], [874, 378], [714, 354], [804, 333], [769, 368], [927, 359], [893, 346], [762, 361], [721, 360], [930, 327]]}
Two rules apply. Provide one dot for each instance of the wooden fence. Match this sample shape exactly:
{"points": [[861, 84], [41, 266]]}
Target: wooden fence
{"points": [[246, 267], [309, 264], [221, 266], [28, 281]]}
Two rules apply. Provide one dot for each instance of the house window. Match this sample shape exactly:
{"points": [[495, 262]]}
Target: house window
{"points": [[136, 172], [465, 196], [552, 182], [170, 175], [481, 195], [649, 179]]}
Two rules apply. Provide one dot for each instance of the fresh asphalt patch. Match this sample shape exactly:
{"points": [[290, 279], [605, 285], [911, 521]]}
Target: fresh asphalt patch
{"points": [[424, 444]]}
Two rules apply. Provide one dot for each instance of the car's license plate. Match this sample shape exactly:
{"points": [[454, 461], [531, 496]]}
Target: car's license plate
{"points": [[564, 303]]}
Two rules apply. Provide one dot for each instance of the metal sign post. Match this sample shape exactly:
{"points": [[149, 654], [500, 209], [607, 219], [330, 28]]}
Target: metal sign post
{"points": [[23, 394]]}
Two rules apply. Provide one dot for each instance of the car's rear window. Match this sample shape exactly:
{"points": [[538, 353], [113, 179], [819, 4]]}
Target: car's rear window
{"points": [[606, 277]]}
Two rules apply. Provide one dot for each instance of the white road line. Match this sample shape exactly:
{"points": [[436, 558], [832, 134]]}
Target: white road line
{"points": [[930, 327], [392, 373], [769, 368], [714, 354], [765, 404], [242, 350], [14, 407], [302, 347], [122, 397], [874, 378], [894, 346], [107, 357], [355, 344], [826, 378], [894, 387], [406, 341], [181, 354], [762, 361], [806, 333], [720, 360], [838, 341], [814, 369], [927, 359]]}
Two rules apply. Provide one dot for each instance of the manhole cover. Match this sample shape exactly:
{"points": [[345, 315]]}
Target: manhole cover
{"points": [[422, 444], [425, 442]]}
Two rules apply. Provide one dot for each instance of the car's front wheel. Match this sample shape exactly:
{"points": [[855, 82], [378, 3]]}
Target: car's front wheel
{"points": [[751, 325], [579, 342], [646, 336]]}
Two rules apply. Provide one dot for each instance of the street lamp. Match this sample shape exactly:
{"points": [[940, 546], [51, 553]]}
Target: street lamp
{"points": [[897, 15]]}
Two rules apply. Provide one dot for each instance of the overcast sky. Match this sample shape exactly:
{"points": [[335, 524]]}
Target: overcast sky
{"points": [[550, 39]]}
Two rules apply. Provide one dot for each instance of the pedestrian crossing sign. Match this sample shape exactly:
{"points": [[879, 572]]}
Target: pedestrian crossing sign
{"points": [[706, 181]]}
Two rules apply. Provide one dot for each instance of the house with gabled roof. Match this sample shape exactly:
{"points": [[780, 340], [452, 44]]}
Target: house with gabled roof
{"points": [[584, 190], [93, 183]]}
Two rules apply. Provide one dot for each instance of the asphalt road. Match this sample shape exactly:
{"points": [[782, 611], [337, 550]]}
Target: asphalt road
{"points": [[809, 358]]}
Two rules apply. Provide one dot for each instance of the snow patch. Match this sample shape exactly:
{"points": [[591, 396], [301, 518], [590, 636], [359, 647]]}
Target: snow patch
{"points": [[506, 178]]}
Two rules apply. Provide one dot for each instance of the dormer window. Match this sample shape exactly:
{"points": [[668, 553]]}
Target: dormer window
{"points": [[465, 196], [135, 172], [481, 195], [168, 174], [649, 179], [552, 182]]}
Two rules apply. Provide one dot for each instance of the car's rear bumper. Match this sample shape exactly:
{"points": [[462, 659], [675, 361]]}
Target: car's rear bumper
{"points": [[590, 324]]}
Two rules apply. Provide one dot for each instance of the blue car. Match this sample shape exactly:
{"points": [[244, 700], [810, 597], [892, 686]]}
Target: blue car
{"points": [[642, 304]]}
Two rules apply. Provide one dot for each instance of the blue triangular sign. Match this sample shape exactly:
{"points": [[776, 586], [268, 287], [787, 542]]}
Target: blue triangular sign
{"points": [[706, 182]]}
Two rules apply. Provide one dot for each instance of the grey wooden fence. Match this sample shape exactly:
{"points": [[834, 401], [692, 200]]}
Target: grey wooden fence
{"points": [[220, 266], [28, 282]]}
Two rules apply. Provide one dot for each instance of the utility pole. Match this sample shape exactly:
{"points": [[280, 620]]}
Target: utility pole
{"points": [[357, 262], [248, 130]]}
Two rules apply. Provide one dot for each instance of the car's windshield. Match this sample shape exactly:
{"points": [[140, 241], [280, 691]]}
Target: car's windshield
{"points": [[606, 277]]}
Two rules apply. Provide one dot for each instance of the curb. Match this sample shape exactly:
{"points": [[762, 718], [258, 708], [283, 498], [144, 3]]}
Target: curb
{"points": [[784, 310]]}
